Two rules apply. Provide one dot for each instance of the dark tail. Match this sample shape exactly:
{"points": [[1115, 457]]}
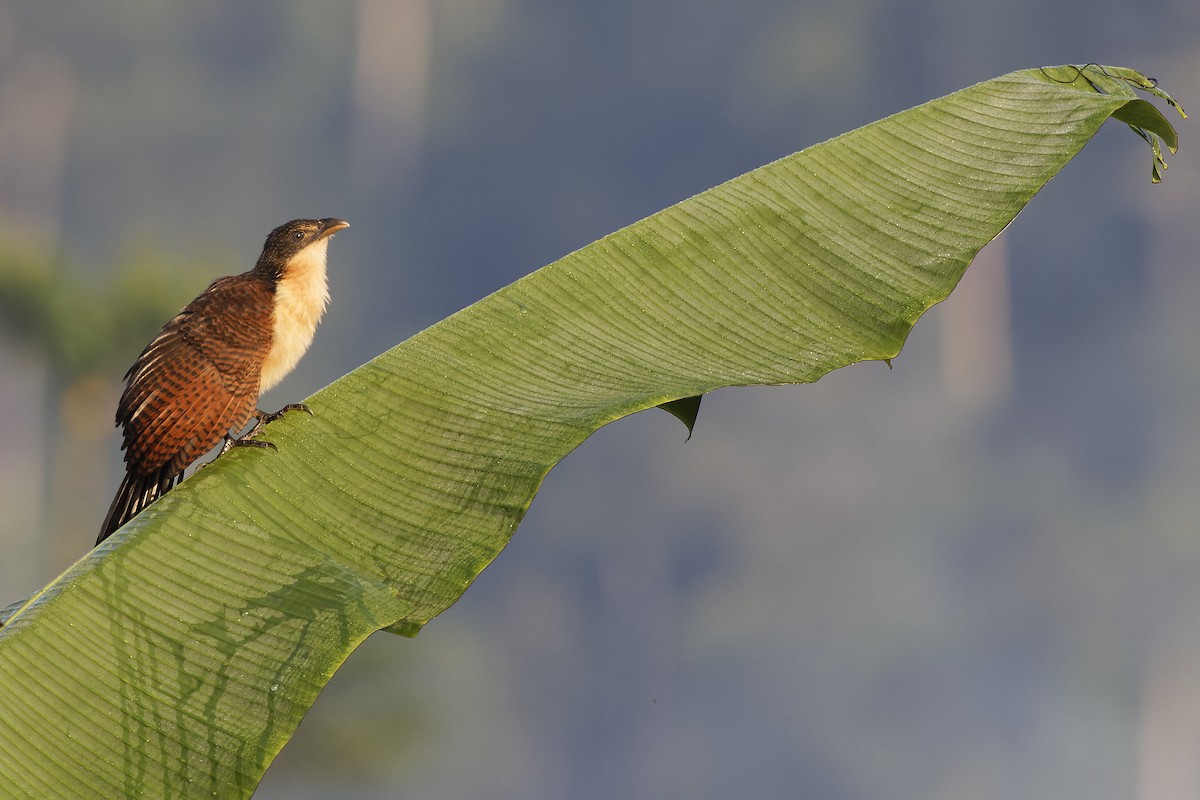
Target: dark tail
{"points": [[136, 492]]}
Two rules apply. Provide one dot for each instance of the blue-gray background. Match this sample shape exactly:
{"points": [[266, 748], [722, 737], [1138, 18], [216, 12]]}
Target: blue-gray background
{"points": [[975, 575]]}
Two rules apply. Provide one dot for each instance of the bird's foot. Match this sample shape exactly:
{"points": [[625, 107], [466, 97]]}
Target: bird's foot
{"points": [[265, 418], [245, 441], [262, 418]]}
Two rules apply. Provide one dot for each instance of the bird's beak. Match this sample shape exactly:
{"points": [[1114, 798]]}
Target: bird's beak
{"points": [[331, 225]]}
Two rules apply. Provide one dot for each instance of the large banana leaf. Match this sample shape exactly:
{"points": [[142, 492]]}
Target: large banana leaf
{"points": [[178, 658]]}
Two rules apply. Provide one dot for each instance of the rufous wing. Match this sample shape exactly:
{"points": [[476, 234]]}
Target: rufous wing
{"points": [[199, 378]]}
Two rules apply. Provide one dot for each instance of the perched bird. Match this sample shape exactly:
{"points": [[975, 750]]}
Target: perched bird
{"points": [[200, 378]]}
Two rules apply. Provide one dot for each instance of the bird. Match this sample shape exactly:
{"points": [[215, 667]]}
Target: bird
{"points": [[198, 381]]}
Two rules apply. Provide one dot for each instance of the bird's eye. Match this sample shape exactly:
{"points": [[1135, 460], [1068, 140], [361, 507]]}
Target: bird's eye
{"points": [[298, 235]]}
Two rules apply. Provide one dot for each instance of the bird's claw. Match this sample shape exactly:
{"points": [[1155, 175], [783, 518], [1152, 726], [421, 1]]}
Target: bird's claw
{"points": [[265, 418], [245, 441], [261, 418]]}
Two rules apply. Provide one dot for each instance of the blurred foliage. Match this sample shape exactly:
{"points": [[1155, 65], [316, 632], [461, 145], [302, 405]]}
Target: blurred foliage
{"points": [[80, 328]]}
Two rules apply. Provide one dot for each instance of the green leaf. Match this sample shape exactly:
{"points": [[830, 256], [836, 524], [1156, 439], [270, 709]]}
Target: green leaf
{"points": [[176, 659]]}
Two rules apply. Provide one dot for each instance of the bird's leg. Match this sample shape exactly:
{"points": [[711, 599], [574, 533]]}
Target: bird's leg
{"points": [[244, 441], [264, 418], [261, 418]]}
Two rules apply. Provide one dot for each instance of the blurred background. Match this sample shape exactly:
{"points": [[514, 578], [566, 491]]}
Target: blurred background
{"points": [[974, 575]]}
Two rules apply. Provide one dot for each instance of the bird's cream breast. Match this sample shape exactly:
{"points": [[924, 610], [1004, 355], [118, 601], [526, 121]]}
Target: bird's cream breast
{"points": [[301, 295]]}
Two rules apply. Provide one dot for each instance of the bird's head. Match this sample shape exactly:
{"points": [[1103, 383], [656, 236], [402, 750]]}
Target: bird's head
{"points": [[301, 238]]}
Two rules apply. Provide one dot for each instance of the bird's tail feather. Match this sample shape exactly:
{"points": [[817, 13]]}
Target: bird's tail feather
{"points": [[136, 492]]}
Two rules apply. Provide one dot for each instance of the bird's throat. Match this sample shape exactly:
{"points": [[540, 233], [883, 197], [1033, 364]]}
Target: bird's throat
{"points": [[301, 295]]}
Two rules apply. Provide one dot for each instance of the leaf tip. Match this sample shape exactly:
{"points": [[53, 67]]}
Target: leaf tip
{"points": [[685, 409]]}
